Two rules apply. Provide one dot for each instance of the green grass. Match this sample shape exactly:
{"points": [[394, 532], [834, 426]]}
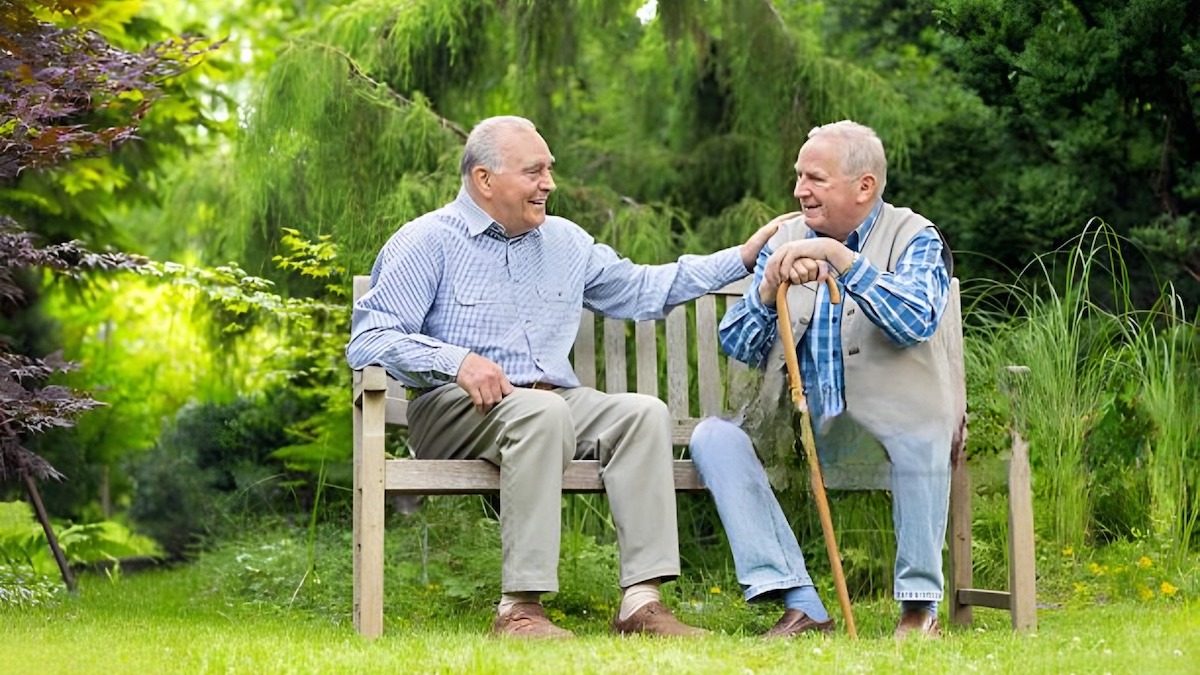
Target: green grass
{"points": [[179, 621]]}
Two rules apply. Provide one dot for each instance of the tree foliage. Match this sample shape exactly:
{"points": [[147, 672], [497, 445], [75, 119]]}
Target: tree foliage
{"points": [[27, 405], [1099, 107], [55, 80], [360, 121]]}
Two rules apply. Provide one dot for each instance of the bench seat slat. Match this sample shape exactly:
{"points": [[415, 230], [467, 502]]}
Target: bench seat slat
{"points": [[476, 476]]}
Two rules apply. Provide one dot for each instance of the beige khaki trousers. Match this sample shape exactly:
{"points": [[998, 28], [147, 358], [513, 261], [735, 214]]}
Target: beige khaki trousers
{"points": [[532, 435]]}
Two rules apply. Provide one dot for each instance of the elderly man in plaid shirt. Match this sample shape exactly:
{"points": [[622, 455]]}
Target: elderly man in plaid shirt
{"points": [[872, 371]]}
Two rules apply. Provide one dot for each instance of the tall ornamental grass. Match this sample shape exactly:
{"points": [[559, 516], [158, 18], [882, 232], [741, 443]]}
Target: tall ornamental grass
{"points": [[1164, 357], [1083, 350]]}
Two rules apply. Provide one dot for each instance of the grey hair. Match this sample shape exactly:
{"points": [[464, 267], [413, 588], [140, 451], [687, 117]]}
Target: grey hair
{"points": [[862, 151], [483, 148]]}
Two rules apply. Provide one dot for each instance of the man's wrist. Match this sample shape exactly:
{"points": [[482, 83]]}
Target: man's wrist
{"points": [[843, 271]]}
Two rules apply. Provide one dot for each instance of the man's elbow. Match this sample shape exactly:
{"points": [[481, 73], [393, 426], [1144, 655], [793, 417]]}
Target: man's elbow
{"points": [[361, 351], [914, 336]]}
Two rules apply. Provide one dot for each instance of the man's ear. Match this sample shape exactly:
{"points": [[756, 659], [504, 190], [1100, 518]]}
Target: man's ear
{"points": [[482, 179], [866, 188]]}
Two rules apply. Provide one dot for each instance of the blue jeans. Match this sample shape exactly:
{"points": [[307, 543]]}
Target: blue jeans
{"points": [[766, 554]]}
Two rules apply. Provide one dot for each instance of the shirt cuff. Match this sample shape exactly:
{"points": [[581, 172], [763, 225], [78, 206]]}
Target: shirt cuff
{"points": [[861, 276], [447, 360], [757, 306], [732, 268]]}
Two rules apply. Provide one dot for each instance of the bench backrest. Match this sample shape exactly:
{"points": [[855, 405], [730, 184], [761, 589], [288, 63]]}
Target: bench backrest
{"points": [[602, 354]]}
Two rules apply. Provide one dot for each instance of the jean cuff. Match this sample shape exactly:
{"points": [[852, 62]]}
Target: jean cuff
{"points": [[934, 596], [759, 592]]}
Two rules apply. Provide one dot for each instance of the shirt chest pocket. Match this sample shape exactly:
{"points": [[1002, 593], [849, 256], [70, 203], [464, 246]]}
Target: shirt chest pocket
{"points": [[479, 285], [553, 295]]}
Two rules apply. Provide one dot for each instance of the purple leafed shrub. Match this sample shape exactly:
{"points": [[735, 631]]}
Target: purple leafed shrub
{"points": [[65, 93], [55, 83], [27, 405]]}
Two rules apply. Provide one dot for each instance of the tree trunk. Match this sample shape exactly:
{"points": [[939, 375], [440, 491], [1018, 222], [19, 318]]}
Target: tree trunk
{"points": [[36, 499]]}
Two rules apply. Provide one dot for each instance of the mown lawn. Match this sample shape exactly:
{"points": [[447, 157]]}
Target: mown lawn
{"points": [[176, 622]]}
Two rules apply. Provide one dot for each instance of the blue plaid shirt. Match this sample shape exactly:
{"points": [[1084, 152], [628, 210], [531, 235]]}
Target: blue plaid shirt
{"points": [[906, 305], [453, 282]]}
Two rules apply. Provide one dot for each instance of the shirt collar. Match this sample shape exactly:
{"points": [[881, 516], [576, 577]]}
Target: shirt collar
{"points": [[855, 239], [478, 221]]}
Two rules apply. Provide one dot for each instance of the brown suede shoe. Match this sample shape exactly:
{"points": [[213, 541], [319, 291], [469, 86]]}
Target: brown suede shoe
{"points": [[920, 622], [794, 623], [654, 619], [528, 620]]}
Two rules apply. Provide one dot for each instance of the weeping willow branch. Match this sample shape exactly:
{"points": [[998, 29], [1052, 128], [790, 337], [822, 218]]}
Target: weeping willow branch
{"points": [[358, 72]]}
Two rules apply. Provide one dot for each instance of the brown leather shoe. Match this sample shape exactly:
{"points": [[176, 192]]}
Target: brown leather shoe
{"points": [[794, 623], [920, 622], [654, 619], [528, 620]]}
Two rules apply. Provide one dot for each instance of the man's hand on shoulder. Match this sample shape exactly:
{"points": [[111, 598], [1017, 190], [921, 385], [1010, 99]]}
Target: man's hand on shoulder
{"points": [[484, 381], [754, 244]]}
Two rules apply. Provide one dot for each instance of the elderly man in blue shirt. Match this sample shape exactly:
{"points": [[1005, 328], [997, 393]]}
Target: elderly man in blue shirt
{"points": [[475, 307], [873, 375]]}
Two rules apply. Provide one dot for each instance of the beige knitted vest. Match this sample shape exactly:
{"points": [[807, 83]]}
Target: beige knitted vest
{"points": [[890, 391]]}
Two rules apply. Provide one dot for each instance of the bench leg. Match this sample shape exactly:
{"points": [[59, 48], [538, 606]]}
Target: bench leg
{"points": [[369, 513], [1022, 562], [959, 537]]}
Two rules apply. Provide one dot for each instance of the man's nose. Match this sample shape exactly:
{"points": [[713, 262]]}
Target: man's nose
{"points": [[548, 182]]}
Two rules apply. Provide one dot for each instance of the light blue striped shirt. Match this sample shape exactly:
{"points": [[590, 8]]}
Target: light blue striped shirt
{"points": [[906, 305], [453, 282]]}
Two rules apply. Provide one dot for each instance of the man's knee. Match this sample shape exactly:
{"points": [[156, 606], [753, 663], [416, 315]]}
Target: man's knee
{"points": [[716, 441], [545, 415], [534, 402]]}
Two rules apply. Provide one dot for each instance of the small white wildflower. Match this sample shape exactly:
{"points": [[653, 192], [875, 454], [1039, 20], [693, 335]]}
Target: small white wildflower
{"points": [[1178, 652], [816, 651], [1108, 652], [991, 656]]}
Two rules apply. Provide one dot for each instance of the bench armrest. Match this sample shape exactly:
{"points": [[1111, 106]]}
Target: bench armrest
{"points": [[371, 378]]}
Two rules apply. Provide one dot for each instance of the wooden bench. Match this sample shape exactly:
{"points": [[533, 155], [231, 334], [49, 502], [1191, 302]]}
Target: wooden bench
{"points": [[380, 400]]}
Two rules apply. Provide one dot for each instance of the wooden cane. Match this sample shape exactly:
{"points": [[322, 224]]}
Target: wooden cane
{"points": [[810, 447]]}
